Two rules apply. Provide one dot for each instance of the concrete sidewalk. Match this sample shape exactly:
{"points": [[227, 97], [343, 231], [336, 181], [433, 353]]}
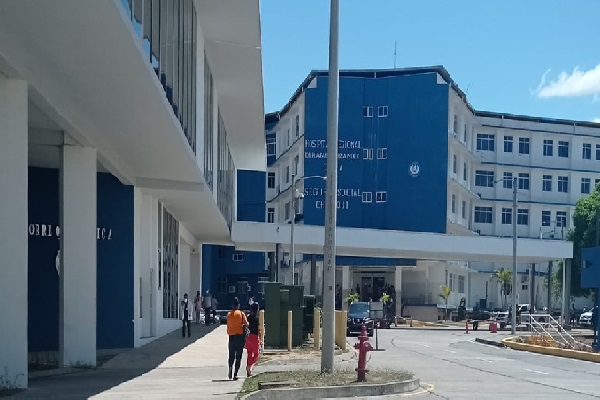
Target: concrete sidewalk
{"points": [[169, 367]]}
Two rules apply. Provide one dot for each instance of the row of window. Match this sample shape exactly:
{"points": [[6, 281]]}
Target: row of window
{"points": [[486, 179], [486, 142], [463, 212], [382, 111], [484, 215], [380, 197]]}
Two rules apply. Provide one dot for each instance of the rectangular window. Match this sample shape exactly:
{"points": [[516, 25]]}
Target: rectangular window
{"points": [[287, 174], [367, 197], [368, 154], [271, 180], [546, 216], [286, 211], [506, 216], [297, 126], [455, 125], [270, 215], [485, 142], [465, 176], [547, 183], [367, 111], [483, 215], [222, 284], [238, 256], [381, 197], [454, 163], [561, 219], [563, 149], [288, 139], [382, 111], [453, 208], [382, 153], [563, 184], [271, 146], [586, 152], [508, 144], [507, 180], [548, 148], [598, 152], [522, 216], [461, 284], [524, 181], [484, 178], [295, 165], [585, 185], [523, 145], [464, 210]]}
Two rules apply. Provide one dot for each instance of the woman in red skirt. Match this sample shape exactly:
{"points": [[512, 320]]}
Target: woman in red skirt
{"points": [[253, 340]]}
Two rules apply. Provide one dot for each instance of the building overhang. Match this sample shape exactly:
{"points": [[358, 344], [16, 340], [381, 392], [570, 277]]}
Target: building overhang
{"points": [[232, 35], [308, 239]]}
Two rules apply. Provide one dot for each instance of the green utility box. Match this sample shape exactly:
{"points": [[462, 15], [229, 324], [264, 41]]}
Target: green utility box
{"points": [[309, 315], [279, 299]]}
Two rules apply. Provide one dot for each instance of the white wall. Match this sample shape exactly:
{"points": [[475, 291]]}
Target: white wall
{"points": [[13, 235]]}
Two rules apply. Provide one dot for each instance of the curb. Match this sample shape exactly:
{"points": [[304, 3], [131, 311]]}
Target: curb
{"points": [[490, 342], [336, 391], [552, 351], [57, 372]]}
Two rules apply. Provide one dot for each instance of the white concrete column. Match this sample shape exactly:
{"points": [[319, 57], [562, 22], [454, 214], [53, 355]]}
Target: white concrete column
{"points": [[184, 270], [398, 287], [13, 230], [195, 277], [346, 286], [138, 297], [77, 325]]}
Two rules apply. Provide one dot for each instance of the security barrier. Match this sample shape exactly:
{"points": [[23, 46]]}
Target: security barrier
{"points": [[341, 318]]}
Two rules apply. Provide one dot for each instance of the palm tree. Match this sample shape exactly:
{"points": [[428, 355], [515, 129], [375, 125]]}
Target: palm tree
{"points": [[445, 294], [505, 277]]}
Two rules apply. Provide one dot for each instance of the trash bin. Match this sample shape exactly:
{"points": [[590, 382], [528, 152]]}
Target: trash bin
{"points": [[493, 327]]}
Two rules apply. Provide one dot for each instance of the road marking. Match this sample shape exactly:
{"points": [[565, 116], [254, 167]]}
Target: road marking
{"points": [[424, 345], [451, 351], [537, 372], [483, 359]]}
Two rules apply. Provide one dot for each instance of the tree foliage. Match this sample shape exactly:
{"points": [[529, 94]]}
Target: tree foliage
{"points": [[445, 294], [583, 234], [505, 277]]}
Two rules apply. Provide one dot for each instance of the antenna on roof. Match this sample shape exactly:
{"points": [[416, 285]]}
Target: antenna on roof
{"points": [[395, 48]]}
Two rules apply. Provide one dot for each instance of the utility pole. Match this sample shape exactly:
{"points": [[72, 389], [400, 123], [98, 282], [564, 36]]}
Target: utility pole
{"points": [[292, 247], [331, 194], [513, 322]]}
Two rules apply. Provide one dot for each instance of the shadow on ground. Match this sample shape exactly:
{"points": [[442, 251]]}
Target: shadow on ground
{"points": [[83, 384]]}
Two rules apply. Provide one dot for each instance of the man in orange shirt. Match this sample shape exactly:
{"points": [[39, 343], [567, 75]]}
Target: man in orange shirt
{"points": [[236, 326]]}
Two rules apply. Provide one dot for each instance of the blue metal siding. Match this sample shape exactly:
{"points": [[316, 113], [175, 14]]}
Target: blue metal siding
{"points": [[415, 130], [114, 262]]}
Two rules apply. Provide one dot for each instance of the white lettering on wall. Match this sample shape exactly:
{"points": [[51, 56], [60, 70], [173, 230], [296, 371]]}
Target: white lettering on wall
{"points": [[340, 192], [322, 144], [341, 204], [49, 230]]}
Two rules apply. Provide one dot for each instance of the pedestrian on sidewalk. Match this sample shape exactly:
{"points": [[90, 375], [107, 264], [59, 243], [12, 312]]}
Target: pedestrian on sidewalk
{"points": [[237, 324], [197, 306], [253, 340], [186, 316], [207, 304]]}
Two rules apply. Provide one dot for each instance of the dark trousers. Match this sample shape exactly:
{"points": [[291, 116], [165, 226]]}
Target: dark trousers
{"points": [[236, 350], [207, 315], [189, 330]]}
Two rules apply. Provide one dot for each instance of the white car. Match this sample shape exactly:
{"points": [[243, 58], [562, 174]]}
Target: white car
{"points": [[585, 319]]}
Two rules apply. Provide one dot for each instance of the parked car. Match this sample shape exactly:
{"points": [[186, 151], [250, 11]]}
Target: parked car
{"points": [[502, 319], [359, 315], [585, 319]]}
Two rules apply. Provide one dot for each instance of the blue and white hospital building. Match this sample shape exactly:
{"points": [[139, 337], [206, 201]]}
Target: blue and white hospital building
{"points": [[135, 167]]}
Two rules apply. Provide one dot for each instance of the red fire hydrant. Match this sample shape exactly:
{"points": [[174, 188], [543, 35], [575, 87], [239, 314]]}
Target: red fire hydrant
{"points": [[363, 346]]}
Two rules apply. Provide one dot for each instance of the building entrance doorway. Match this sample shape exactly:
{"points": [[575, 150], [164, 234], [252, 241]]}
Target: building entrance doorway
{"points": [[372, 286]]}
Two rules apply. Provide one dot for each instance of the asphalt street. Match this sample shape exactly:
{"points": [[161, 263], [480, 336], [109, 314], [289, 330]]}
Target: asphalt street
{"points": [[457, 367]]}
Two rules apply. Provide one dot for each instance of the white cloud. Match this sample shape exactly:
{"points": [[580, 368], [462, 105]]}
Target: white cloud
{"points": [[578, 83], [596, 120]]}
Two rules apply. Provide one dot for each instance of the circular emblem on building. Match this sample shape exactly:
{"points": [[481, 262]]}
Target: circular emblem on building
{"points": [[414, 169]]}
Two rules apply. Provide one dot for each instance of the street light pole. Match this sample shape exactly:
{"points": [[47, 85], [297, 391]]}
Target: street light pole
{"points": [[292, 249], [513, 322], [331, 194]]}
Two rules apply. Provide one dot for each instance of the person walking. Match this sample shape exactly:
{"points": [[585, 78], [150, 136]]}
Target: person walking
{"points": [[207, 304], [253, 340], [197, 306], [236, 327], [186, 316]]}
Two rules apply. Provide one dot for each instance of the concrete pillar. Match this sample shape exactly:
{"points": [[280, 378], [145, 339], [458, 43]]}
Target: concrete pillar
{"points": [[13, 231], [346, 286], [77, 325], [313, 274], [398, 287]]}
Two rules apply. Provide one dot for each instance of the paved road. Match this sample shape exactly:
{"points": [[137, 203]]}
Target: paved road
{"points": [[460, 368]]}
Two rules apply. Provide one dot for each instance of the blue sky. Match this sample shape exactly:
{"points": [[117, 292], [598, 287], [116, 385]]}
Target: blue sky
{"points": [[531, 57]]}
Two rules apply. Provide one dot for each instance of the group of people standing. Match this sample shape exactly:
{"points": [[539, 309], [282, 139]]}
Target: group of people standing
{"points": [[243, 331]]}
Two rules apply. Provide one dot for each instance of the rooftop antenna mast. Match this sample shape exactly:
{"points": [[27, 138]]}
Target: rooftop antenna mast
{"points": [[395, 48]]}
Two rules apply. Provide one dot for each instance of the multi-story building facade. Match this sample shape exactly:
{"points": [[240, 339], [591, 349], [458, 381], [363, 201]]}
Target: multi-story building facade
{"points": [[414, 155], [122, 127]]}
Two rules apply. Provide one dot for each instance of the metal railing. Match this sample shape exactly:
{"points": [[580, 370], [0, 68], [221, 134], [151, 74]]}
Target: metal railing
{"points": [[552, 329]]}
